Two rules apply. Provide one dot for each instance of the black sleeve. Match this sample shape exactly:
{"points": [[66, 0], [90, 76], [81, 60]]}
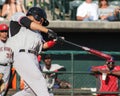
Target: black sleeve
{"points": [[25, 22], [14, 27]]}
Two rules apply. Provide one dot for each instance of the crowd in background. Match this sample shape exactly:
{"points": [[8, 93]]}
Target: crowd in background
{"points": [[10, 7], [87, 11], [90, 11]]}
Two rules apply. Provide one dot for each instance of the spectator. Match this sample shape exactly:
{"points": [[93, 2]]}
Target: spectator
{"points": [[108, 75], [106, 11], [87, 11], [51, 78], [12, 6], [20, 7]]}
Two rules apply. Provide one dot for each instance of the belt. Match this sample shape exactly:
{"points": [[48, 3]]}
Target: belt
{"points": [[29, 51]]}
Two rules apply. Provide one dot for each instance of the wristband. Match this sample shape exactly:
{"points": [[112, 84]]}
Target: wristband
{"points": [[50, 43]]}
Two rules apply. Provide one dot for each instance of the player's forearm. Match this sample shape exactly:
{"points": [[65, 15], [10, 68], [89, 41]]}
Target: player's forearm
{"points": [[116, 73], [35, 26]]}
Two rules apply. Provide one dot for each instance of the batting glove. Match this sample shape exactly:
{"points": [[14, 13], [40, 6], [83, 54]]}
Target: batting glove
{"points": [[52, 34]]}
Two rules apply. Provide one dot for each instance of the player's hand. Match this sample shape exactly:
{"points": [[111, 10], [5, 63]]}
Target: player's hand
{"points": [[59, 39], [52, 34]]}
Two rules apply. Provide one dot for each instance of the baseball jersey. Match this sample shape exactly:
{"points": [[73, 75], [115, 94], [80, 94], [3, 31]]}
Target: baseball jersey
{"points": [[5, 53], [50, 78], [23, 38], [53, 67], [110, 84]]}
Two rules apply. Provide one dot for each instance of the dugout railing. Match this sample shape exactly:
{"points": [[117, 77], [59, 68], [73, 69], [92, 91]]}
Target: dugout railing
{"points": [[78, 74]]}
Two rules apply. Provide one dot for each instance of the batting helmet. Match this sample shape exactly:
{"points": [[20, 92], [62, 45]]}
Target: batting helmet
{"points": [[3, 27], [38, 13]]}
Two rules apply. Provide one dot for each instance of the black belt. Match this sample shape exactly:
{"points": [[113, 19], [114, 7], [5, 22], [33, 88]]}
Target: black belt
{"points": [[29, 51]]}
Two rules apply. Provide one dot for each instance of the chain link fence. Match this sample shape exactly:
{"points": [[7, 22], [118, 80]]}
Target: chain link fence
{"points": [[78, 74]]}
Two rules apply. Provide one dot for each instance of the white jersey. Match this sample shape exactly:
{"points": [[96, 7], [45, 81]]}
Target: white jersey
{"points": [[5, 53], [52, 68], [25, 38], [50, 78]]}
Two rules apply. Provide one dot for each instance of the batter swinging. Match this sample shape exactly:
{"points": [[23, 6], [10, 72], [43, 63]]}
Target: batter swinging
{"points": [[26, 42]]}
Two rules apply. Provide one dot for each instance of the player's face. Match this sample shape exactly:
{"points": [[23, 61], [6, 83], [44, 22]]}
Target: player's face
{"points": [[110, 65], [47, 62], [4, 35]]}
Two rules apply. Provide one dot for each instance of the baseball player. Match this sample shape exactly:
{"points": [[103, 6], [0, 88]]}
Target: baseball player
{"points": [[108, 77], [26, 42], [51, 78], [5, 59]]}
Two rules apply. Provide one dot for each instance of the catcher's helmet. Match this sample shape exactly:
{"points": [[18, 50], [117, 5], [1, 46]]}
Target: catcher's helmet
{"points": [[38, 13], [3, 27]]}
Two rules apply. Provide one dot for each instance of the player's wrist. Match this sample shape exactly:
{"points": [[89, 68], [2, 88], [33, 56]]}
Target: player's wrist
{"points": [[51, 43]]}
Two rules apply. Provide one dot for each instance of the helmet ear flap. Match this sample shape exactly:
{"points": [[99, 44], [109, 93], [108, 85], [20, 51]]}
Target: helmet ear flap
{"points": [[45, 23], [37, 17]]}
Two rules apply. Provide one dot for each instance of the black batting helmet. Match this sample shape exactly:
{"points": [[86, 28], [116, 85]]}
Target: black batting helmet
{"points": [[38, 13]]}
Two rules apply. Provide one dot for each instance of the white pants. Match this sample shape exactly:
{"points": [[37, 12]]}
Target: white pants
{"points": [[27, 66], [6, 71]]}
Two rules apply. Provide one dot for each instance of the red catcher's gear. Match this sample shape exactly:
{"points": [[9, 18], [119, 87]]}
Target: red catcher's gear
{"points": [[3, 27]]}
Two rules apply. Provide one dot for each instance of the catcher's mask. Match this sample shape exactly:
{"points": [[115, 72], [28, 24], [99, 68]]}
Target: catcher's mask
{"points": [[38, 13]]}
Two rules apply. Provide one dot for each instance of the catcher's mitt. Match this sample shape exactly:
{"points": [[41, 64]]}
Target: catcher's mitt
{"points": [[64, 84]]}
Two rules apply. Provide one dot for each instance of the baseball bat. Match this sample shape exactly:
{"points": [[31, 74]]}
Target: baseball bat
{"points": [[90, 50]]}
